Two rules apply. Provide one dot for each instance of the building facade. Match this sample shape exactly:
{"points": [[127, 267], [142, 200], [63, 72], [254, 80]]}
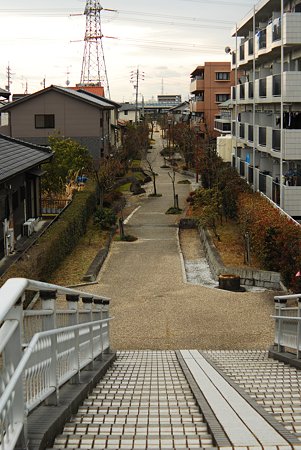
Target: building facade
{"points": [[79, 115], [210, 86], [20, 193], [266, 122]]}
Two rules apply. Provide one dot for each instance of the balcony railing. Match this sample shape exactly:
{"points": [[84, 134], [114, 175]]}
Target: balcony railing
{"points": [[242, 130], [262, 39], [242, 91], [250, 46], [276, 135], [242, 52], [262, 87], [262, 182], [250, 133], [276, 85], [251, 89], [262, 136], [276, 34], [242, 168]]}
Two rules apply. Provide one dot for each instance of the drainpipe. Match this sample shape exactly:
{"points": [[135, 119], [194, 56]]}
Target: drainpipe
{"points": [[281, 114], [254, 103]]}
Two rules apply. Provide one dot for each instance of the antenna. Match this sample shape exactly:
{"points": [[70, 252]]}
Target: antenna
{"points": [[94, 72]]}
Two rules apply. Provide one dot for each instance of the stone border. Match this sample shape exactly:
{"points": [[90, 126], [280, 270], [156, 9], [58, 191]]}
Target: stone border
{"points": [[46, 422], [219, 436], [248, 276], [99, 259]]}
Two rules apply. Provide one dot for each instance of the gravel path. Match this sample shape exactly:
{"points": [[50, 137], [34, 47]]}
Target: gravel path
{"points": [[153, 306]]}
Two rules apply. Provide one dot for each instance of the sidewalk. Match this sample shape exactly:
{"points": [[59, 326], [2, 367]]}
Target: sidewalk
{"points": [[152, 305]]}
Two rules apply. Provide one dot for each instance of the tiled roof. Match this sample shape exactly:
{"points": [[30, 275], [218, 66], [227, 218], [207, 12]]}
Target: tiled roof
{"points": [[17, 156], [85, 97]]}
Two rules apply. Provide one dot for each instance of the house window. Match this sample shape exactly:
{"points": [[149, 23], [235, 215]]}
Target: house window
{"points": [[222, 97], [125, 113], [44, 120], [101, 122], [224, 76]]}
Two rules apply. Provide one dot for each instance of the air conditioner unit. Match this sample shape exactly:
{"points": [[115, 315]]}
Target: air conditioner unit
{"points": [[27, 229], [10, 241]]}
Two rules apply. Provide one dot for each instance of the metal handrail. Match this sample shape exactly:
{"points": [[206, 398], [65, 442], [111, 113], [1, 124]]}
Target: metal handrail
{"points": [[41, 350]]}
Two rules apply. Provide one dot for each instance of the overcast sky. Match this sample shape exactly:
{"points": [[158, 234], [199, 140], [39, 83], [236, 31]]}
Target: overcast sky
{"points": [[166, 39]]}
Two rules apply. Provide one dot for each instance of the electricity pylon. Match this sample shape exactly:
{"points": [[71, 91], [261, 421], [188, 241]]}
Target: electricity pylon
{"points": [[94, 72]]}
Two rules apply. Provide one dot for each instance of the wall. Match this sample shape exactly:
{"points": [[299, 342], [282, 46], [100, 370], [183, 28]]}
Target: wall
{"points": [[249, 277]]}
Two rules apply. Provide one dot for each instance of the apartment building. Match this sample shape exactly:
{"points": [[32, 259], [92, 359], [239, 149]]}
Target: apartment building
{"points": [[266, 121], [210, 86]]}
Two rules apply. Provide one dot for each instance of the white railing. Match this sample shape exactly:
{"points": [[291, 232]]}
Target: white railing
{"points": [[41, 349], [288, 324]]}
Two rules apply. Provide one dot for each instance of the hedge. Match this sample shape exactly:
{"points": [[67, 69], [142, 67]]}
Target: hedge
{"points": [[58, 241], [274, 237]]}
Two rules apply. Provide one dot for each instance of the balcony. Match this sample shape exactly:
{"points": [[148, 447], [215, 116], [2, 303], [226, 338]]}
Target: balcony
{"points": [[197, 104], [222, 125], [250, 133], [262, 39], [263, 87], [242, 52], [276, 85], [276, 137], [197, 84], [262, 136], [242, 91], [250, 46], [242, 130]]}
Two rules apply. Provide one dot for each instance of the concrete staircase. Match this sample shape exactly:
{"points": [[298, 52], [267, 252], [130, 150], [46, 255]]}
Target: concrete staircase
{"points": [[143, 402], [168, 400]]}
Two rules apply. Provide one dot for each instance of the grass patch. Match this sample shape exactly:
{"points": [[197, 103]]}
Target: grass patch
{"points": [[173, 210], [75, 265], [127, 238], [124, 187], [184, 182]]}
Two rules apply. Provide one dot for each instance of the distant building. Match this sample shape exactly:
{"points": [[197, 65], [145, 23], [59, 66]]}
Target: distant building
{"points": [[127, 113], [180, 113], [210, 86], [170, 99]]}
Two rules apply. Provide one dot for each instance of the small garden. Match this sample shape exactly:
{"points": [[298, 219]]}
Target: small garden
{"points": [[246, 228]]}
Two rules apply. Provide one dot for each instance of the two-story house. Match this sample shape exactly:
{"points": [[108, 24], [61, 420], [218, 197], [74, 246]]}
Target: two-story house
{"points": [[82, 116]]}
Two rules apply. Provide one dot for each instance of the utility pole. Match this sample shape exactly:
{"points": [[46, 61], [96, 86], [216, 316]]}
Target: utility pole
{"points": [[9, 80], [136, 76]]}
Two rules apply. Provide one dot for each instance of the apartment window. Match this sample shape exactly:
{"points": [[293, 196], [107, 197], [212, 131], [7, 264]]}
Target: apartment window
{"points": [[223, 76], [44, 120], [222, 97], [101, 122]]}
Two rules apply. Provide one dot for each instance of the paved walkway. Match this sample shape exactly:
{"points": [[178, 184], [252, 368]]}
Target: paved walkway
{"points": [[153, 307]]}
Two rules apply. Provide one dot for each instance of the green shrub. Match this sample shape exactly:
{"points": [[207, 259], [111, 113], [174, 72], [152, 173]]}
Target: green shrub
{"points": [[105, 218], [274, 237], [58, 240]]}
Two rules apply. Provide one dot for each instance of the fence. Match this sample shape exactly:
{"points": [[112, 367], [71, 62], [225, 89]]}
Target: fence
{"points": [[53, 206], [288, 325], [41, 349]]}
